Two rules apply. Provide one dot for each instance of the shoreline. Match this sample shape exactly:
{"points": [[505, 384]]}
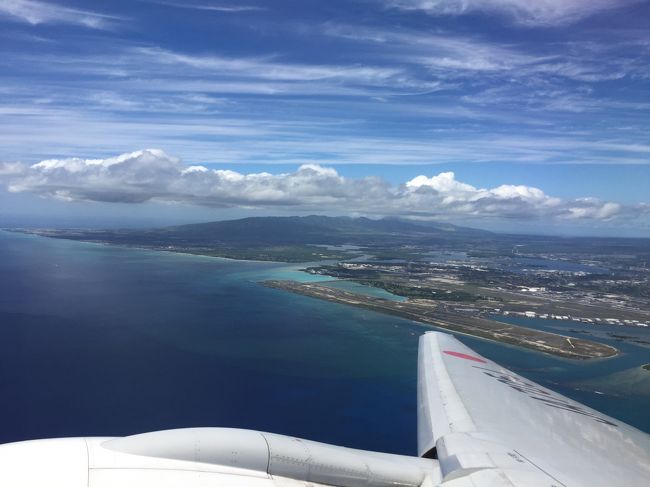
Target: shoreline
{"points": [[429, 314], [477, 333], [153, 249]]}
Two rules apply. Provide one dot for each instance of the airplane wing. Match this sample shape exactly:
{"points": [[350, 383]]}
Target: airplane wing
{"points": [[479, 425], [488, 426]]}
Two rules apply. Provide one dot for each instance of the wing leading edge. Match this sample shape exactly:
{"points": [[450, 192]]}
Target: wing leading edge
{"points": [[489, 426]]}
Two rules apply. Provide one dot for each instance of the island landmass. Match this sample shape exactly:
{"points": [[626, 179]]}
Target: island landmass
{"points": [[470, 277], [429, 313]]}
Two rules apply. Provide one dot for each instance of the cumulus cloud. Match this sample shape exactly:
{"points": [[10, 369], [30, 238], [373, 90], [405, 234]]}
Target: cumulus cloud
{"points": [[523, 12], [506, 201], [153, 175]]}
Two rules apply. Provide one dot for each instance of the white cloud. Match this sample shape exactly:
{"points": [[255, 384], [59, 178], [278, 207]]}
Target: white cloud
{"points": [[584, 208], [11, 168], [35, 12], [446, 194], [152, 175], [454, 57], [443, 182], [523, 12], [267, 69], [255, 134], [213, 8]]}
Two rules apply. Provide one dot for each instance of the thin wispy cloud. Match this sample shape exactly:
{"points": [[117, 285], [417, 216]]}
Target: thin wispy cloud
{"points": [[35, 12], [303, 82], [152, 175], [167, 70], [213, 7], [214, 129], [532, 13], [269, 69], [449, 55]]}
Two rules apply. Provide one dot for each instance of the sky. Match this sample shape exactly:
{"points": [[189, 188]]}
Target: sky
{"points": [[509, 115]]}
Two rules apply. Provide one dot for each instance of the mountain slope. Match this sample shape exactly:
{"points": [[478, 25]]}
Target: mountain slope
{"points": [[304, 230]]}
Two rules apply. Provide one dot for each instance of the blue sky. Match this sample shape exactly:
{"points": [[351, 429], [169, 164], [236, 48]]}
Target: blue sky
{"points": [[510, 96]]}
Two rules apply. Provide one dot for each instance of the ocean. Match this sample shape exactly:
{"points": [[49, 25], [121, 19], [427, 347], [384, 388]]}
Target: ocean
{"points": [[106, 341]]}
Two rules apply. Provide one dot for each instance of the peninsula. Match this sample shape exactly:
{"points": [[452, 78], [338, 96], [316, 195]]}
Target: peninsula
{"points": [[429, 313]]}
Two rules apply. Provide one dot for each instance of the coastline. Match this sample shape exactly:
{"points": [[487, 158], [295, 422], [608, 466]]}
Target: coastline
{"points": [[149, 249], [429, 314], [308, 331], [481, 334]]}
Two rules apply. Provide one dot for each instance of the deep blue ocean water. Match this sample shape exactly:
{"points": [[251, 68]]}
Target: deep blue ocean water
{"points": [[101, 340]]}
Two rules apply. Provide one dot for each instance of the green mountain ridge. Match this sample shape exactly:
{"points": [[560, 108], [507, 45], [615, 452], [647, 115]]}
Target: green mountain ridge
{"points": [[295, 239], [314, 229], [286, 231]]}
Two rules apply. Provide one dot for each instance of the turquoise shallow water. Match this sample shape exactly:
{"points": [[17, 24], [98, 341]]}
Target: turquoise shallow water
{"points": [[355, 287], [98, 340]]}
